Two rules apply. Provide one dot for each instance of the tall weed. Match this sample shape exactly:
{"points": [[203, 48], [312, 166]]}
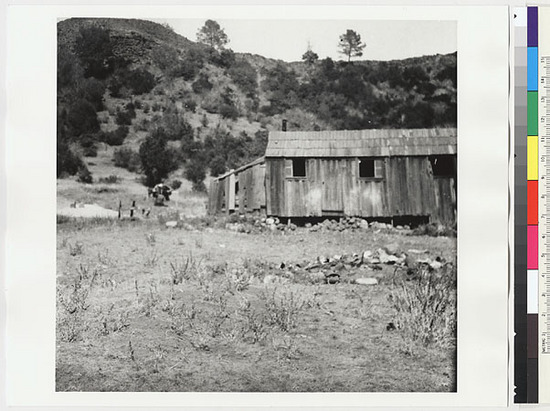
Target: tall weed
{"points": [[425, 308]]}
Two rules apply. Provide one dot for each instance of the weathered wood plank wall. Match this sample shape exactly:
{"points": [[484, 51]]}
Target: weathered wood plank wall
{"points": [[333, 187]]}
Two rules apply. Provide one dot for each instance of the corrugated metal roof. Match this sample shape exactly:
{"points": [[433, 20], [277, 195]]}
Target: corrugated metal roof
{"points": [[362, 143]]}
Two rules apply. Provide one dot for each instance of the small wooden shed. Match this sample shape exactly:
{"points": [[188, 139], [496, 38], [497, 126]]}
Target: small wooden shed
{"points": [[366, 173], [241, 190]]}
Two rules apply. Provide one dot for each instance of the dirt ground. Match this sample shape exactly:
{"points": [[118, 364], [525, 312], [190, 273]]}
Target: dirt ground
{"points": [[143, 307]]}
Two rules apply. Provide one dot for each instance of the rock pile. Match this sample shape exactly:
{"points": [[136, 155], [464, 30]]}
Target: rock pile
{"points": [[352, 223], [248, 224], [331, 270]]}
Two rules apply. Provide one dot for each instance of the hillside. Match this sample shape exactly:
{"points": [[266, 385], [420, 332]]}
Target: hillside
{"points": [[207, 110]]}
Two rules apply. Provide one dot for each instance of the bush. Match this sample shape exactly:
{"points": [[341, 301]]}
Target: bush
{"points": [[112, 179], [82, 118], [224, 59], [92, 90], [196, 173], [93, 46], [435, 230], [217, 166], [244, 76], [426, 306], [88, 142], [202, 84], [84, 175], [229, 111], [125, 117], [117, 137], [186, 69], [157, 160], [140, 81], [68, 163], [175, 184], [127, 158], [190, 104]]}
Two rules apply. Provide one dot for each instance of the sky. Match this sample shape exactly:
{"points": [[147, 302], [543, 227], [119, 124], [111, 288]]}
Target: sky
{"points": [[288, 39]]}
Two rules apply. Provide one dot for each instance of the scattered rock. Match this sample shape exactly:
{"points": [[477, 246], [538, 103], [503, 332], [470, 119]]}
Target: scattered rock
{"points": [[171, 224], [435, 265], [332, 278], [316, 277], [366, 281], [391, 248]]}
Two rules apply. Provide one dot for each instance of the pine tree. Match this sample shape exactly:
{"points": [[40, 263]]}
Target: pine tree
{"points": [[350, 44], [213, 35]]}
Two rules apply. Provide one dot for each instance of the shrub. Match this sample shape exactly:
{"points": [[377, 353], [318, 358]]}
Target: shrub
{"points": [[90, 151], [175, 184], [190, 104], [435, 230], [157, 160], [82, 118], [69, 70], [140, 81], [125, 117], [127, 158], [244, 76], [84, 175], [88, 142], [196, 173], [225, 58], [67, 161], [229, 111], [115, 138], [426, 306], [202, 84], [92, 90], [93, 46], [186, 69], [282, 307], [112, 179], [217, 166]]}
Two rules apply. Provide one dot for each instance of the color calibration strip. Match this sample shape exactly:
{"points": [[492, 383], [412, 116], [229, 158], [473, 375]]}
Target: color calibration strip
{"points": [[520, 205], [532, 204], [541, 287]]}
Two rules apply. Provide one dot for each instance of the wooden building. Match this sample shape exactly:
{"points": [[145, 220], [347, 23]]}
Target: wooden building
{"points": [[366, 173], [241, 190]]}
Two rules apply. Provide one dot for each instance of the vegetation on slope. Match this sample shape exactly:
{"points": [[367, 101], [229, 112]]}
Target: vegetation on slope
{"points": [[120, 81]]}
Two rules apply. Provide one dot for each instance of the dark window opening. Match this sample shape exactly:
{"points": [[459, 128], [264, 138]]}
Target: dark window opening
{"points": [[236, 187], [443, 166], [298, 167], [366, 167]]}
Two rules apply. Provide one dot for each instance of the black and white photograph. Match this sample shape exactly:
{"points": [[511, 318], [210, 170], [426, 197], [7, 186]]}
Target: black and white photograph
{"points": [[256, 206]]}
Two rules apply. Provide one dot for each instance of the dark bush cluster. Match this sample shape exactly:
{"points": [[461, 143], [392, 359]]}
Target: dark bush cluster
{"points": [[245, 77], [396, 94], [127, 158], [125, 117], [88, 142], [223, 151], [157, 159], [202, 84], [137, 82], [116, 137]]}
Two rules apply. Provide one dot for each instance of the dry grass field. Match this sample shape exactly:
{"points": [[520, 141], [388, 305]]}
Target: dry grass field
{"points": [[202, 307]]}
